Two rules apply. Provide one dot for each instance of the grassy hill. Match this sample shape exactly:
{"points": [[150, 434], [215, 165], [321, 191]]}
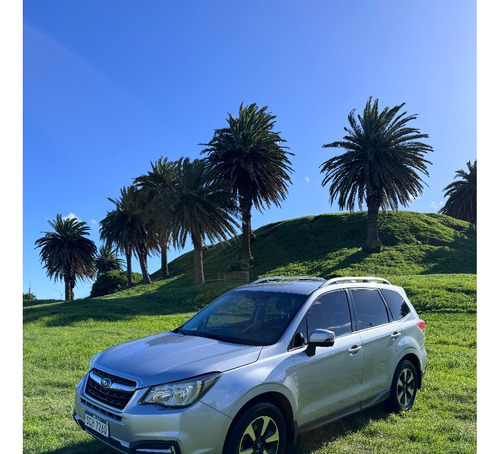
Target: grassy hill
{"points": [[432, 256], [330, 244]]}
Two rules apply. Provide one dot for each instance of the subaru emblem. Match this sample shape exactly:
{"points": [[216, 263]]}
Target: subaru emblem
{"points": [[106, 383]]}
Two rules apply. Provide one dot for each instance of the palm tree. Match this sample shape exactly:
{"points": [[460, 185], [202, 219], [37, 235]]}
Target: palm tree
{"points": [[462, 201], [155, 188], [112, 232], [201, 207], [126, 228], [66, 253], [249, 157], [107, 260], [381, 164]]}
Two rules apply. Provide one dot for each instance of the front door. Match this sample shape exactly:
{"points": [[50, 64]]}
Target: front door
{"points": [[329, 382]]}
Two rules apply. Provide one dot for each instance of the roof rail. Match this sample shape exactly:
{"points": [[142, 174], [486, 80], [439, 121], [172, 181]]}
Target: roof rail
{"points": [[288, 278], [346, 280]]}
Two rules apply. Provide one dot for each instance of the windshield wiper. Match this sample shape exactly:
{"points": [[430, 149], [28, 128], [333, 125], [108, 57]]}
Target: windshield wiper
{"points": [[195, 333], [218, 337], [180, 331]]}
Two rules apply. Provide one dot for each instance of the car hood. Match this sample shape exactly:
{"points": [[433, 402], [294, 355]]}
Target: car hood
{"points": [[168, 357]]}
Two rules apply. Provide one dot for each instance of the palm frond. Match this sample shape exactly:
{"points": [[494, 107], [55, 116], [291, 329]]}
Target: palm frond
{"points": [[65, 252], [462, 195], [383, 158]]}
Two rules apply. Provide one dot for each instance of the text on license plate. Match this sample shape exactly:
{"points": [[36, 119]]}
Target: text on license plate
{"points": [[96, 423]]}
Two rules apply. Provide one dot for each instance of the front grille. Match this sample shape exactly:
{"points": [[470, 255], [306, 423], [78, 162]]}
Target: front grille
{"points": [[113, 397], [101, 410]]}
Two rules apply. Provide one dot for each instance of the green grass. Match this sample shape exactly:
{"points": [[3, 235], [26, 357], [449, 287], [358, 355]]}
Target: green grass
{"points": [[60, 338]]}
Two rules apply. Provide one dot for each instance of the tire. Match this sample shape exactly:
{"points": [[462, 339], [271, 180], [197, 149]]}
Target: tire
{"points": [[259, 429], [404, 387]]}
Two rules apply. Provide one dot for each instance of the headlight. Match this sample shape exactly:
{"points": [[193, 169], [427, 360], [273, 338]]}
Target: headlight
{"points": [[181, 393]]}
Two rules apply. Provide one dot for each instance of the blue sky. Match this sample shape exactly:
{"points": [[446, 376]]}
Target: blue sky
{"points": [[110, 86]]}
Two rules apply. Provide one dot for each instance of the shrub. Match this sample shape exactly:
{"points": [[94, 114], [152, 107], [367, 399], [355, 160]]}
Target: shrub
{"points": [[112, 282]]}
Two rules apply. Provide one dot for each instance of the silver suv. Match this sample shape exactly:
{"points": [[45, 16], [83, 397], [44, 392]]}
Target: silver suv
{"points": [[256, 367]]}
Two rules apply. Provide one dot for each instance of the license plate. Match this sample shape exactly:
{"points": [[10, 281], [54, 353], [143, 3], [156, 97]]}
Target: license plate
{"points": [[100, 425]]}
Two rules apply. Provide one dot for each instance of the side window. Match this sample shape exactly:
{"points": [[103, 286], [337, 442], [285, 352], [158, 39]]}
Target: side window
{"points": [[330, 311], [369, 308], [396, 303]]}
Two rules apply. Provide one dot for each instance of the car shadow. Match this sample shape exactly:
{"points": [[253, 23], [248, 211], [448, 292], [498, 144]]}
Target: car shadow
{"points": [[89, 447], [313, 440]]}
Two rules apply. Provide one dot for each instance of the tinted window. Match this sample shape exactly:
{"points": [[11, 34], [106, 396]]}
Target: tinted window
{"points": [[396, 303], [369, 308], [330, 311]]}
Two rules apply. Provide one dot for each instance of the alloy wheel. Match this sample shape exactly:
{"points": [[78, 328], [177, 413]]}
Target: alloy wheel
{"points": [[406, 388], [260, 437]]}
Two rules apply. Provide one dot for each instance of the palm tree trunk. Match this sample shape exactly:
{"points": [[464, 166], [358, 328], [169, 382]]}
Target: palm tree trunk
{"points": [[128, 256], [246, 229], [72, 287], [373, 244], [146, 279], [69, 285], [199, 276], [67, 288], [164, 264]]}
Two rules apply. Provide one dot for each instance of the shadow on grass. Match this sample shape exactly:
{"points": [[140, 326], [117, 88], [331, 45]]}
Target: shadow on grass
{"points": [[94, 447], [461, 258], [352, 259], [313, 440], [160, 298]]}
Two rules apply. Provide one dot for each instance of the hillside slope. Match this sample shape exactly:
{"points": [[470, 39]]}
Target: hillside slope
{"points": [[330, 244]]}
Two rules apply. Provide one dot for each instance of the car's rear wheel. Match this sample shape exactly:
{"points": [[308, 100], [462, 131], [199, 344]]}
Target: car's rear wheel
{"points": [[259, 429], [404, 387]]}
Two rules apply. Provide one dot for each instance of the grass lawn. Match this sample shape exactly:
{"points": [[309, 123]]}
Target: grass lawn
{"points": [[60, 338]]}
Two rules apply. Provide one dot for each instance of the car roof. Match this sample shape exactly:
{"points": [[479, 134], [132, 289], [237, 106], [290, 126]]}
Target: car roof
{"points": [[297, 287], [305, 285]]}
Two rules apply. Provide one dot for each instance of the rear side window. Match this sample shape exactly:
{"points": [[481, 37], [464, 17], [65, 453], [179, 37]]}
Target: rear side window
{"points": [[369, 308], [396, 303], [330, 311]]}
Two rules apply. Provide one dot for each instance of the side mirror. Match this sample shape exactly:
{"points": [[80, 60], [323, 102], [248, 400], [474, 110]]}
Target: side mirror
{"points": [[320, 338]]}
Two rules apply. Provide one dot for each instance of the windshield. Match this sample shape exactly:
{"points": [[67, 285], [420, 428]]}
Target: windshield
{"points": [[246, 317]]}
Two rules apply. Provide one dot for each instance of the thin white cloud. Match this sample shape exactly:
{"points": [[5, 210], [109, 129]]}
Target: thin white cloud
{"points": [[436, 205], [307, 179], [71, 216]]}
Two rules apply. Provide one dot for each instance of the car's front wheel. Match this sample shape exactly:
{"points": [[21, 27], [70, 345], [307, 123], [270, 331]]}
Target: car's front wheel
{"points": [[404, 387], [259, 429]]}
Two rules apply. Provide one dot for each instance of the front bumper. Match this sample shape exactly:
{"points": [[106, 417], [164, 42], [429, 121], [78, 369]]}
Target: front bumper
{"points": [[139, 428]]}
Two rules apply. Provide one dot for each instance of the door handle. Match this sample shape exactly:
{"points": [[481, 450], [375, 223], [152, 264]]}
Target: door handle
{"points": [[395, 335], [355, 349]]}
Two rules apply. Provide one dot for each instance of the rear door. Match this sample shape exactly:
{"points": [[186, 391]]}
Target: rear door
{"points": [[380, 338], [329, 382]]}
